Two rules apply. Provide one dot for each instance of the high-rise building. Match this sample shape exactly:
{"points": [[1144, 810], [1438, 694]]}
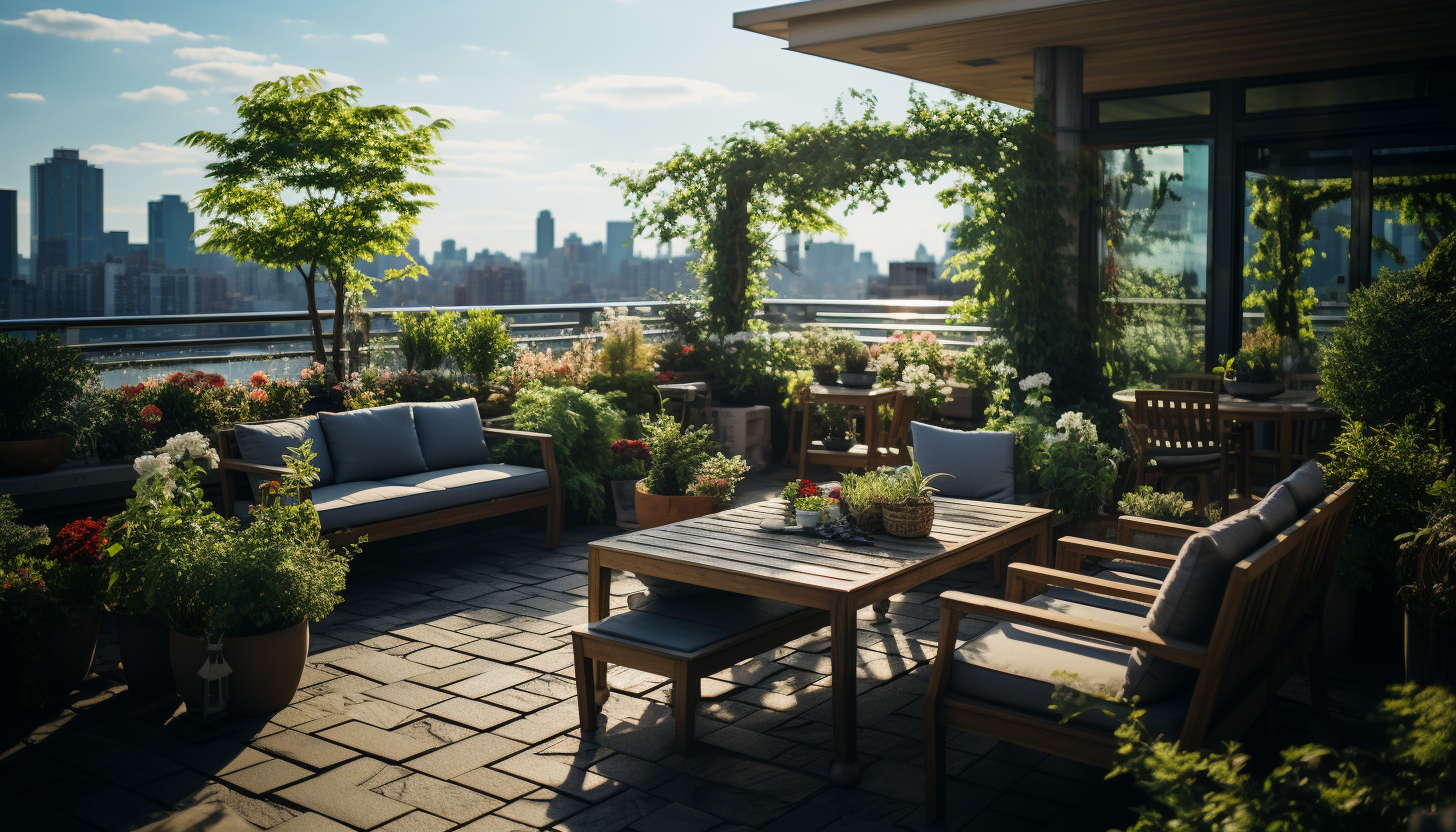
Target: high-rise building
{"points": [[619, 246], [9, 236], [66, 199], [545, 234], [169, 232], [115, 245], [791, 251]]}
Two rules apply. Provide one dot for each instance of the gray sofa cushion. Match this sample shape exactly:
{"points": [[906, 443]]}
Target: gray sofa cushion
{"points": [[349, 504], [267, 443], [979, 462], [1306, 485], [1011, 665], [692, 624], [1276, 512], [1189, 600], [477, 483], [373, 444], [450, 434]]}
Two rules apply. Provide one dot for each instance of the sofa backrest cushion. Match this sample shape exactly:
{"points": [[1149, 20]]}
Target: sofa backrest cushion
{"points": [[1276, 512], [267, 443], [1306, 485], [1187, 606], [450, 434], [979, 462], [373, 444]]}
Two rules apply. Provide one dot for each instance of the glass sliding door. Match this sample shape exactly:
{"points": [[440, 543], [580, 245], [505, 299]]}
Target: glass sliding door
{"points": [[1153, 256], [1413, 192]]}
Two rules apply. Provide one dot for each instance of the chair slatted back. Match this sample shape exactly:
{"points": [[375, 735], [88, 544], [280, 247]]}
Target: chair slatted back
{"points": [[1203, 382], [1315, 570], [1301, 381], [1179, 421]]}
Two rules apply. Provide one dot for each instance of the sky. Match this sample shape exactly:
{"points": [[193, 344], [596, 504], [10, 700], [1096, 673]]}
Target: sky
{"points": [[539, 93]]}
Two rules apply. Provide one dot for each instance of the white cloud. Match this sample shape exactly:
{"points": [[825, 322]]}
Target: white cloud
{"points": [[218, 53], [212, 110], [428, 79], [159, 94], [235, 76], [459, 112], [299, 22], [84, 26], [218, 37], [182, 172], [499, 53], [146, 153], [548, 117], [464, 155], [645, 92], [26, 96], [377, 37], [116, 49]]}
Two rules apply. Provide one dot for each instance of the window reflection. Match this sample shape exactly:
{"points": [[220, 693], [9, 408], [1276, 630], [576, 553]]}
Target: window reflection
{"points": [[1414, 191]]}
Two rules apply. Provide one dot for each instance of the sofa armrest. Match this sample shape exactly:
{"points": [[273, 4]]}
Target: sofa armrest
{"points": [[515, 434], [1127, 524], [1070, 551], [548, 451], [1025, 580], [275, 471]]}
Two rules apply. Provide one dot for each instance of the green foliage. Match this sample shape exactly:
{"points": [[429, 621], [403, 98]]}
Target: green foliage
{"points": [[311, 181], [973, 367], [730, 199], [677, 454], [1079, 470], [1393, 469], [17, 540], [638, 393], [1153, 340], [915, 484], [42, 379], [1283, 210], [1260, 359], [481, 344], [1386, 364], [859, 491], [624, 347], [1426, 569], [583, 426], [746, 369], [1313, 788], [718, 477], [1143, 501], [426, 339]]}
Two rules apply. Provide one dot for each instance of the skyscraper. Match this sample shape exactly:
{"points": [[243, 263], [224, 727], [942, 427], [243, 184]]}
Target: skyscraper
{"points": [[65, 212], [545, 234], [619, 245], [169, 232], [9, 237], [791, 251]]}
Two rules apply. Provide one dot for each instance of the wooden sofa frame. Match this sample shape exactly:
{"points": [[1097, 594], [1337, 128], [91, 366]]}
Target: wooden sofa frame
{"points": [[1266, 624], [230, 459]]}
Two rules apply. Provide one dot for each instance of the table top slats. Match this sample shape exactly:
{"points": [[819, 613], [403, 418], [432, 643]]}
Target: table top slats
{"points": [[944, 535], [736, 549], [803, 545], [743, 564]]}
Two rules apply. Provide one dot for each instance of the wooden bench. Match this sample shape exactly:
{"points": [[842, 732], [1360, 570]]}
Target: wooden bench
{"points": [[684, 638]]}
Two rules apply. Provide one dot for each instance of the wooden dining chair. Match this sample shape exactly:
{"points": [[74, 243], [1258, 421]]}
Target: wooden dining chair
{"points": [[1178, 433], [1206, 382], [1310, 437], [1301, 381]]}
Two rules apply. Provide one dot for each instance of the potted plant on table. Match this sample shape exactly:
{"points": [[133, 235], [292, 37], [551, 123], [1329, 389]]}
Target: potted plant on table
{"points": [[43, 378], [838, 435], [1257, 371], [812, 511], [865, 496], [629, 466], [914, 514], [856, 362]]}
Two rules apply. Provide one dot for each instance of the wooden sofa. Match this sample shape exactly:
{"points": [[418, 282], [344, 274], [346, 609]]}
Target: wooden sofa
{"points": [[1266, 623], [232, 463]]}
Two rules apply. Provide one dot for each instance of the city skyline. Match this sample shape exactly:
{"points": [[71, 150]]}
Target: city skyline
{"points": [[533, 110]]}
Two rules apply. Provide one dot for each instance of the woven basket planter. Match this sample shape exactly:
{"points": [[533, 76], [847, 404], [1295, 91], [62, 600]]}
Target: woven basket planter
{"points": [[909, 519], [871, 519]]}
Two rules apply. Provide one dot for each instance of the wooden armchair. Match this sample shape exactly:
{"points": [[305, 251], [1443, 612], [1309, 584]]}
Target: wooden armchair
{"points": [[1177, 433]]}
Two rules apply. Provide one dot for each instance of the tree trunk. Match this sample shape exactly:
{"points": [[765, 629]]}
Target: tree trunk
{"points": [[340, 358], [315, 323]]}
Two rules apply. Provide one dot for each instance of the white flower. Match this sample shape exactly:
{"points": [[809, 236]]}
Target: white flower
{"points": [[1054, 438], [1004, 369], [159, 466], [191, 445], [1077, 426], [1033, 402], [1038, 380]]}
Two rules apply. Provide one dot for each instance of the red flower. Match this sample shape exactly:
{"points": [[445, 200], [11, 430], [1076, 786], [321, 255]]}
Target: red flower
{"points": [[151, 415], [807, 488], [258, 379], [687, 348], [79, 541]]}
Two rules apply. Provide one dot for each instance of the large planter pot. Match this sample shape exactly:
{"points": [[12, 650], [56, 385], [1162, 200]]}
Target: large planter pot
{"points": [[1430, 652], [655, 510], [858, 381], [70, 648], [1253, 390], [33, 456], [142, 641], [266, 668], [624, 501]]}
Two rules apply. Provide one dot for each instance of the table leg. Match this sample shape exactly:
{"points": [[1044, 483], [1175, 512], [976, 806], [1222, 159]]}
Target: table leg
{"points": [[806, 404], [882, 610], [1286, 445], [598, 606], [1043, 543], [842, 652], [872, 437]]}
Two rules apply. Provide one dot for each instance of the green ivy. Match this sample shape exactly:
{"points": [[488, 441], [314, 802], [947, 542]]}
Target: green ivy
{"points": [[583, 426]]}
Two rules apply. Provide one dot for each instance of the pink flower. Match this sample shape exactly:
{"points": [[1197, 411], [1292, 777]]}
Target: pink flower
{"points": [[258, 379], [258, 396]]}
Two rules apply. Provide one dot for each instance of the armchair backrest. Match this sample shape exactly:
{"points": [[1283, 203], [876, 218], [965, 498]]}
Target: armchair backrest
{"points": [[1179, 421], [1206, 382]]}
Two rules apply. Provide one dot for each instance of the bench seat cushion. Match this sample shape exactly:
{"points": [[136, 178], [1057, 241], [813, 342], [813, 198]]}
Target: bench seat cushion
{"points": [[475, 483], [348, 504], [1104, 608], [373, 444], [693, 623]]}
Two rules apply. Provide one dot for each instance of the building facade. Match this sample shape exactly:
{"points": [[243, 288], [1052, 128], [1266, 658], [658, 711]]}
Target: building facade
{"points": [[169, 232], [66, 200]]}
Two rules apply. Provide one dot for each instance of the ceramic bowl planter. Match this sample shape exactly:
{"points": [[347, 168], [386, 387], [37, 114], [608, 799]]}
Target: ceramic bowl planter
{"points": [[266, 669], [655, 510], [1252, 389], [70, 648], [808, 519], [142, 641], [33, 456], [858, 381]]}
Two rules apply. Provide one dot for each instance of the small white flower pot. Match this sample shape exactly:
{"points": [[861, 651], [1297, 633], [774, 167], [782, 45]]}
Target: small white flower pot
{"points": [[807, 519]]}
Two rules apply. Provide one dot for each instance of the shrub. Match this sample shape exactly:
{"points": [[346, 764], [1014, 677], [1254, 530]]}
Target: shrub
{"points": [[425, 339], [481, 344], [624, 348], [42, 379], [718, 477], [1143, 501], [638, 393], [583, 426], [1079, 470], [677, 454]]}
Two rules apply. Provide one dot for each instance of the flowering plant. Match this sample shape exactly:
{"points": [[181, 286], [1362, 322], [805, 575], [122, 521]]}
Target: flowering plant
{"points": [[79, 541], [1023, 418], [799, 488], [718, 477], [1079, 470], [815, 503], [624, 346], [629, 459]]}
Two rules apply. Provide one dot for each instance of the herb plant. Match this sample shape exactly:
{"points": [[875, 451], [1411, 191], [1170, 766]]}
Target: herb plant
{"points": [[1143, 501], [481, 344]]}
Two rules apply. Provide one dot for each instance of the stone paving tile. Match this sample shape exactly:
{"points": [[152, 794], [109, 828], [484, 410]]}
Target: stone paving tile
{"points": [[377, 742], [266, 777], [675, 817], [541, 808], [495, 783], [381, 667], [500, 677], [496, 651], [408, 695], [417, 822], [460, 757], [560, 776], [338, 795], [439, 797], [477, 715], [435, 732], [437, 636], [311, 751], [519, 700]]}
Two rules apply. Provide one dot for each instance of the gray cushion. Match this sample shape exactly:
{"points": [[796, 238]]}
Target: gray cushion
{"points": [[1083, 604], [1276, 512], [1011, 665], [1306, 485], [1173, 459], [698, 623], [349, 504], [477, 483], [1189, 600], [450, 434], [267, 443], [373, 444], [1145, 570], [979, 462]]}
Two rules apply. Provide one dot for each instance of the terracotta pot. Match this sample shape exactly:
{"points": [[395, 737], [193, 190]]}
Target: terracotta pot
{"points": [[266, 668], [655, 510], [70, 648], [33, 456], [142, 641]]}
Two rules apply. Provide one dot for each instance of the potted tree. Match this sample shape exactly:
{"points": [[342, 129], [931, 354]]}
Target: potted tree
{"points": [[43, 378]]}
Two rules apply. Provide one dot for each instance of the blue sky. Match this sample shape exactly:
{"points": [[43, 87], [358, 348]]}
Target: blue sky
{"points": [[539, 92]]}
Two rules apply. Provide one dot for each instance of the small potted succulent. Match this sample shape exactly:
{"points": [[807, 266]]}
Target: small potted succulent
{"points": [[629, 466], [914, 514]]}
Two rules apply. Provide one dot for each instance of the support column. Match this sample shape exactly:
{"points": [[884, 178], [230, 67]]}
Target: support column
{"points": [[1057, 87]]}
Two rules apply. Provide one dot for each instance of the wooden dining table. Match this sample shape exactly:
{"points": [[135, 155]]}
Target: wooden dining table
{"points": [[728, 551], [1283, 410]]}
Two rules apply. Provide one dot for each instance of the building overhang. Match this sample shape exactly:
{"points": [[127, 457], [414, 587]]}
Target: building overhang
{"points": [[984, 47]]}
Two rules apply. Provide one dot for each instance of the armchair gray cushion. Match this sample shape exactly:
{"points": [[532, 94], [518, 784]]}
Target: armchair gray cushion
{"points": [[691, 624], [373, 444], [1189, 600], [980, 462], [450, 434], [1276, 512], [1306, 485], [267, 443]]}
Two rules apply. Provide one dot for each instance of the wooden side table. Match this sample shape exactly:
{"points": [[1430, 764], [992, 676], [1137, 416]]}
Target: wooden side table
{"points": [[870, 454]]}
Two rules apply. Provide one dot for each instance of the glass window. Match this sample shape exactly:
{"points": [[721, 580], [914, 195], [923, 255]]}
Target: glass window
{"points": [[1154, 258], [1414, 203], [1338, 92], [1296, 238], [1149, 107]]}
